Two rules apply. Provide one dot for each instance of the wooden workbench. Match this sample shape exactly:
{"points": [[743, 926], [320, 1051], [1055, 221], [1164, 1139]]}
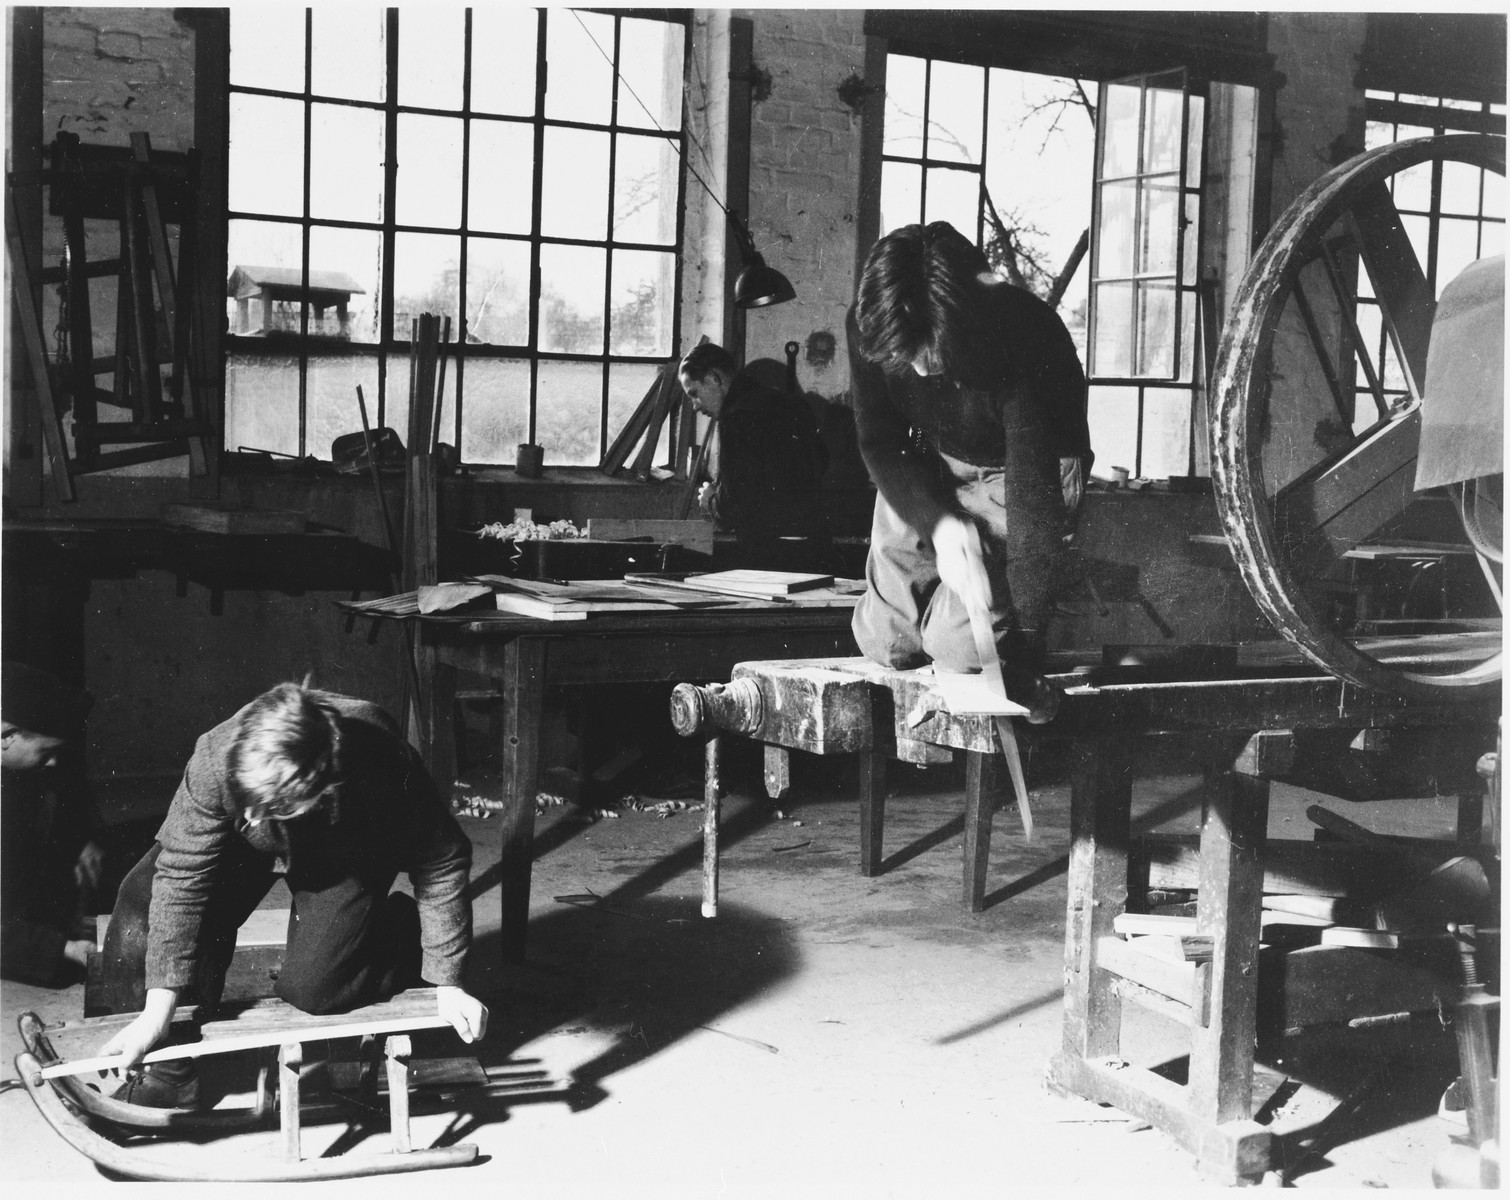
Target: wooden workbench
{"points": [[1243, 723]]}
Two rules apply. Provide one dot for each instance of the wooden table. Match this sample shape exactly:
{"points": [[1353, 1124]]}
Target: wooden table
{"points": [[1244, 726], [523, 657]]}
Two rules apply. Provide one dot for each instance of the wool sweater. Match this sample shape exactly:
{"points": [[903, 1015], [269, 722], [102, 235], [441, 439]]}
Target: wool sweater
{"points": [[387, 816], [1024, 421]]}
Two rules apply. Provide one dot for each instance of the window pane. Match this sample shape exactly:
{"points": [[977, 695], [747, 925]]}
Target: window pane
{"points": [[262, 403], [571, 299], [1492, 239], [1189, 305], [1164, 122], [1457, 246], [1166, 433], [347, 264], [1411, 187], [1378, 133], [643, 286], [904, 106], [956, 108], [350, 59], [1115, 235], [569, 413], [498, 292], [1119, 116], [431, 41], [1111, 352], [504, 45], [1460, 188], [1155, 330], [1161, 217], [426, 275], [1494, 195], [1194, 142], [574, 192], [1418, 230], [650, 63], [628, 384], [645, 190], [500, 177], [396, 400], [429, 171], [582, 90], [1369, 326], [266, 155], [265, 261], [1113, 416], [331, 408], [901, 195], [954, 196], [495, 410], [346, 163], [1191, 263], [267, 47]]}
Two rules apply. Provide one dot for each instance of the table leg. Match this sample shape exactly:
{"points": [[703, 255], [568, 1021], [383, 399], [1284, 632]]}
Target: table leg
{"points": [[397, 1052], [440, 731], [712, 785], [978, 809], [1100, 828], [872, 764], [523, 698], [290, 1063]]}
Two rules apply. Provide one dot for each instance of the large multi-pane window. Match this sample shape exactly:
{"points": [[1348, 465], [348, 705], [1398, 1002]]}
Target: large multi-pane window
{"points": [[1035, 166], [1453, 213], [514, 170]]}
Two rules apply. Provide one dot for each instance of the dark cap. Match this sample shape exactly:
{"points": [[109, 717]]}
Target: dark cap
{"points": [[33, 699]]}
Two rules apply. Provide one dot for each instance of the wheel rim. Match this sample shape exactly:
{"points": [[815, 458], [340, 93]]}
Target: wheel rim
{"points": [[1240, 388]]}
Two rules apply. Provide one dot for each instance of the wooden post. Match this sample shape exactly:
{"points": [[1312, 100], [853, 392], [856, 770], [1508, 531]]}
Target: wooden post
{"points": [[978, 809], [1100, 821], [778, 771], [290, 1062], [872, 763], [398, 1051], [524, 697], [712, 784]]}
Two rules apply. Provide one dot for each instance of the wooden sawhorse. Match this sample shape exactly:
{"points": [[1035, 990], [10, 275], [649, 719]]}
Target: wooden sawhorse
{"points": [[1244, 725], [269, 1025]]}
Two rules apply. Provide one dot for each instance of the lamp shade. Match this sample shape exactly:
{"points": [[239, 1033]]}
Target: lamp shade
{"points": [[759, 285]]}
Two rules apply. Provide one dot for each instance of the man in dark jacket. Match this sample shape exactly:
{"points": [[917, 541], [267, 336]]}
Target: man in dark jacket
{"points": [[322, 790], [51, 859], [770, 456]]}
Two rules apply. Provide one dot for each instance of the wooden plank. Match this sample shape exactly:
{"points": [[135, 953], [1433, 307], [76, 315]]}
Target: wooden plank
{"points": [[1291, 867], [1323, 985], [224, 517], [1177, 980], [695, 535]]}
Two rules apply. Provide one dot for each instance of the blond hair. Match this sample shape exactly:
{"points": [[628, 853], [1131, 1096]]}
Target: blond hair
{"points": [[286, 751]]}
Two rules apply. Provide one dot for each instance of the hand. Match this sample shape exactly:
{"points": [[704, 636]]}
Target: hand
{"points": [[79, 951], [1072, 481], [961, 565], [467, 1015], [149, 1028], [90, 867], [705, 498]]}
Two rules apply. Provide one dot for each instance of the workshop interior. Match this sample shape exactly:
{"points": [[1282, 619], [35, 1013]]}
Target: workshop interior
{"points": [[512, 370]]}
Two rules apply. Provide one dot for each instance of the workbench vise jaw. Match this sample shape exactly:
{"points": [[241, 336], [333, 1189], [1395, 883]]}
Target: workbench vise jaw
{"points": [[735, 707]]}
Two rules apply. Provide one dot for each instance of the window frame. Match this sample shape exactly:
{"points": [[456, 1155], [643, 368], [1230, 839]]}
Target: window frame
{"points": [[392, 346]]}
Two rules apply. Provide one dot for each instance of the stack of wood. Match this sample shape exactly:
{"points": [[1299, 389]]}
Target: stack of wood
{"points": [[427, 385]]}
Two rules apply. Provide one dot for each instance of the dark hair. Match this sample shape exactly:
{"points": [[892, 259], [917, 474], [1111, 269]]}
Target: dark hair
{"points": [[923, 291], [705, 358], [40, 702], [286, 750]]}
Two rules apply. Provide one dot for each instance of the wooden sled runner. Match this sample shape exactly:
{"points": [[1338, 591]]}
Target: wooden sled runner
{"points": [[72, 1108]]}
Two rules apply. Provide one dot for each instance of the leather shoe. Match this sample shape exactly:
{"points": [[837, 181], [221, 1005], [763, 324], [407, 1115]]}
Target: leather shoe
{"points": [[157, 1086]]}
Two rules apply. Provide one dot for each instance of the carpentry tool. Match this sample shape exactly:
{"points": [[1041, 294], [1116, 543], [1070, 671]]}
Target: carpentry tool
{"points": [[990, 668]]}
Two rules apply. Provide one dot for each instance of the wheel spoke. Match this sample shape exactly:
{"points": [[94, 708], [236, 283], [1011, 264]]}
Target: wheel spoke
{"points": [[1405, 299]]}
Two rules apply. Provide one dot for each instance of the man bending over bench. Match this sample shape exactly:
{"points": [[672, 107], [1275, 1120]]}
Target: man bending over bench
{"points": [[321, 789]]}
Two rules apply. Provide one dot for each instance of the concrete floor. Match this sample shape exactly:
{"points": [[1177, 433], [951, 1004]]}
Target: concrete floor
{"points": [[827, 1035]]}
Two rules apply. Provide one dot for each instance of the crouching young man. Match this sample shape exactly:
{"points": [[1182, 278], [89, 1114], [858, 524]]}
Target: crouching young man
{"points": [[322, 790]]}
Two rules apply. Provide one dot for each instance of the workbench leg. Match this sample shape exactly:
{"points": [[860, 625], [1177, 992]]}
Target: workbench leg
{"points": [[290, 1063], [1100, 825], [712, 787], [778, 771], [440, 731], [979, 804], [872, 764], [398, 1051], [1229, 908], [523, 699]]}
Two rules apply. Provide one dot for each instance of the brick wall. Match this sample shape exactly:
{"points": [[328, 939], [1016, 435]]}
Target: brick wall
{"points": [[804, 173]]}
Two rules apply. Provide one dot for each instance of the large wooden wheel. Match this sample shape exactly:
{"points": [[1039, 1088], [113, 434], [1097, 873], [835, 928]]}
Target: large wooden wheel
{"points": [[1301, 478]]}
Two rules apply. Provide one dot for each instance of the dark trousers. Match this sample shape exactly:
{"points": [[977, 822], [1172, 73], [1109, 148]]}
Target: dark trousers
{"points": [[350, 941]]}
